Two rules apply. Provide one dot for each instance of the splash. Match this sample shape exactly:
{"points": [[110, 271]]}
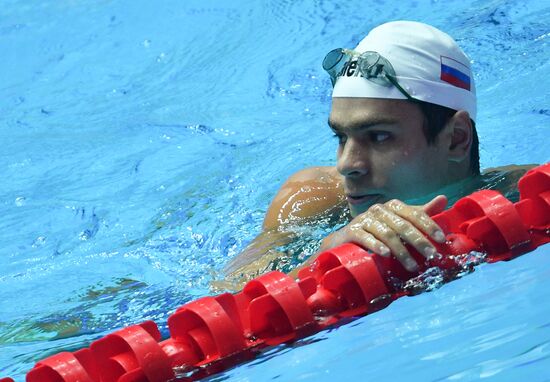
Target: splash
{"points": [[433, 278]]}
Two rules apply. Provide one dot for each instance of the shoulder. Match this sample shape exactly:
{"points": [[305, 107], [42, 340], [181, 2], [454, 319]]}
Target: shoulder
{"points": [[318, 174], [511, 169], [307, 194], [505, 179], [510, 173]]}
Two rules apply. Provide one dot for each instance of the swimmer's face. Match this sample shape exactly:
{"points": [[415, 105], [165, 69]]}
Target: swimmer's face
{"points": [[383, 153]]}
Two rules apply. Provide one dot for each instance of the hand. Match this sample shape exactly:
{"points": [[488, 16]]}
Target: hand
{"points": [[383, 229]]}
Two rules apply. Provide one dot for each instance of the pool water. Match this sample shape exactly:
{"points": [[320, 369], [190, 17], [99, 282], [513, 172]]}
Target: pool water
{"points": [[143, 141]]}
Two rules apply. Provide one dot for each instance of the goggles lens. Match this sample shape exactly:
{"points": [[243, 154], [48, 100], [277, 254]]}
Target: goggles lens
{"points": [[371, 65], [333, 63]]}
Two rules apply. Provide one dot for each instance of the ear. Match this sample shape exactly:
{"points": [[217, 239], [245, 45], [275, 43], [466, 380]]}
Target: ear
{"points": [[461, 134]]}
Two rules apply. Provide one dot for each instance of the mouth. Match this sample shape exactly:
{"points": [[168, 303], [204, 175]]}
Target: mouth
{"points": [[357, 199]]}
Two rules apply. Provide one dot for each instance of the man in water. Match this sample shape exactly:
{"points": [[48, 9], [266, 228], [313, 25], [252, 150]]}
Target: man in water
{"points": [[404, 112]]}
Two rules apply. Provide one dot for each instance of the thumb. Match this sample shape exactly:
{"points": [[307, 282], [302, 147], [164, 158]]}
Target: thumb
{"points": [[436, 205]]}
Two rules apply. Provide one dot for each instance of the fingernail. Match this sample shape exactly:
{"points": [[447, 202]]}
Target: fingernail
{"points": [[384, 251], [439, 236], [429, 252], [411, 265]]}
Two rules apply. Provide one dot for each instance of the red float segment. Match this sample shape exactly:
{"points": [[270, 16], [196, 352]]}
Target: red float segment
{"points": [[79, 366], [349, 279], [134, 351], [325, 305], [135, 375], [534, 190], [455, 246], [535, 183], [278, 310], [208, 328], [506, 220], [181, 353], [489, 219], [234, 308], [6, 380]]}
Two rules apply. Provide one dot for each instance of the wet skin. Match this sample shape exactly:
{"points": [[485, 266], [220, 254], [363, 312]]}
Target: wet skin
{"points": [[383, 158], [383, 153]]}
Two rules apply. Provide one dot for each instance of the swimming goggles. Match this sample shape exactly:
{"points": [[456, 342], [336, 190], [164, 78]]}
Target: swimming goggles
{"points": [[371, 66]]}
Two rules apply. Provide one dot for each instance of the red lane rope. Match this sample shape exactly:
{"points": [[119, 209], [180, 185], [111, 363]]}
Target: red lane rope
{"points": [[213, 333]]}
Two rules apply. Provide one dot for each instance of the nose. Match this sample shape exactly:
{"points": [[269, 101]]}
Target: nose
{"points": [[352, 160]]}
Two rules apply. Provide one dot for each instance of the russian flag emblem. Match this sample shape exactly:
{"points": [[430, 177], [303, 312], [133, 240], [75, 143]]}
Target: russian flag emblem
{"points": [[455, 73]]}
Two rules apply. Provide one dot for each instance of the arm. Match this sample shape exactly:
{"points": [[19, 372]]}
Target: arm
{"points": [[384, 228], [317, 192], [512, 169], [307, 196]]}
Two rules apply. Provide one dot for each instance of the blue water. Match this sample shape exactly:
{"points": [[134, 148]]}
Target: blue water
{"points": [[142, 142]]}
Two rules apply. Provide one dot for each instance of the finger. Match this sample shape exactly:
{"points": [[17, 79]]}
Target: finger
{"points": [[419, 218], [382, 232], [406, 231], [368, 241], [436, 205]]}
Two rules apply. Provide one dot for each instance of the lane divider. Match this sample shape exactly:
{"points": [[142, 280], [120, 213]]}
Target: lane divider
{"points": [[213, 333]]}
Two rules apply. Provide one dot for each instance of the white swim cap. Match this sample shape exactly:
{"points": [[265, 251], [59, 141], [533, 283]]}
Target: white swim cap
{"points": [[428, 64]]}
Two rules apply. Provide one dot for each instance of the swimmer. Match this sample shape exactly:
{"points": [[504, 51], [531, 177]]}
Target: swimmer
{"points": [[404, 115]]}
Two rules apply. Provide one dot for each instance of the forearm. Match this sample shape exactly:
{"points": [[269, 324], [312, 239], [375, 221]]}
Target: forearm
{"points": [[258, 254], [329, 241]]}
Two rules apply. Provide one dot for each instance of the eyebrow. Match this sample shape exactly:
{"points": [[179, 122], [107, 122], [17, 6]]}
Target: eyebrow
{"points": [[362, 125]]}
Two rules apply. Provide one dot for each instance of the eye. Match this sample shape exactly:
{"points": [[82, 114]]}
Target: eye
{"points": [[341, 138], [379, 136]]}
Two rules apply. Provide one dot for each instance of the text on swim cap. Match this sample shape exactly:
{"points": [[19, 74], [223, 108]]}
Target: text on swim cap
{"points": [[350, 69]]}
